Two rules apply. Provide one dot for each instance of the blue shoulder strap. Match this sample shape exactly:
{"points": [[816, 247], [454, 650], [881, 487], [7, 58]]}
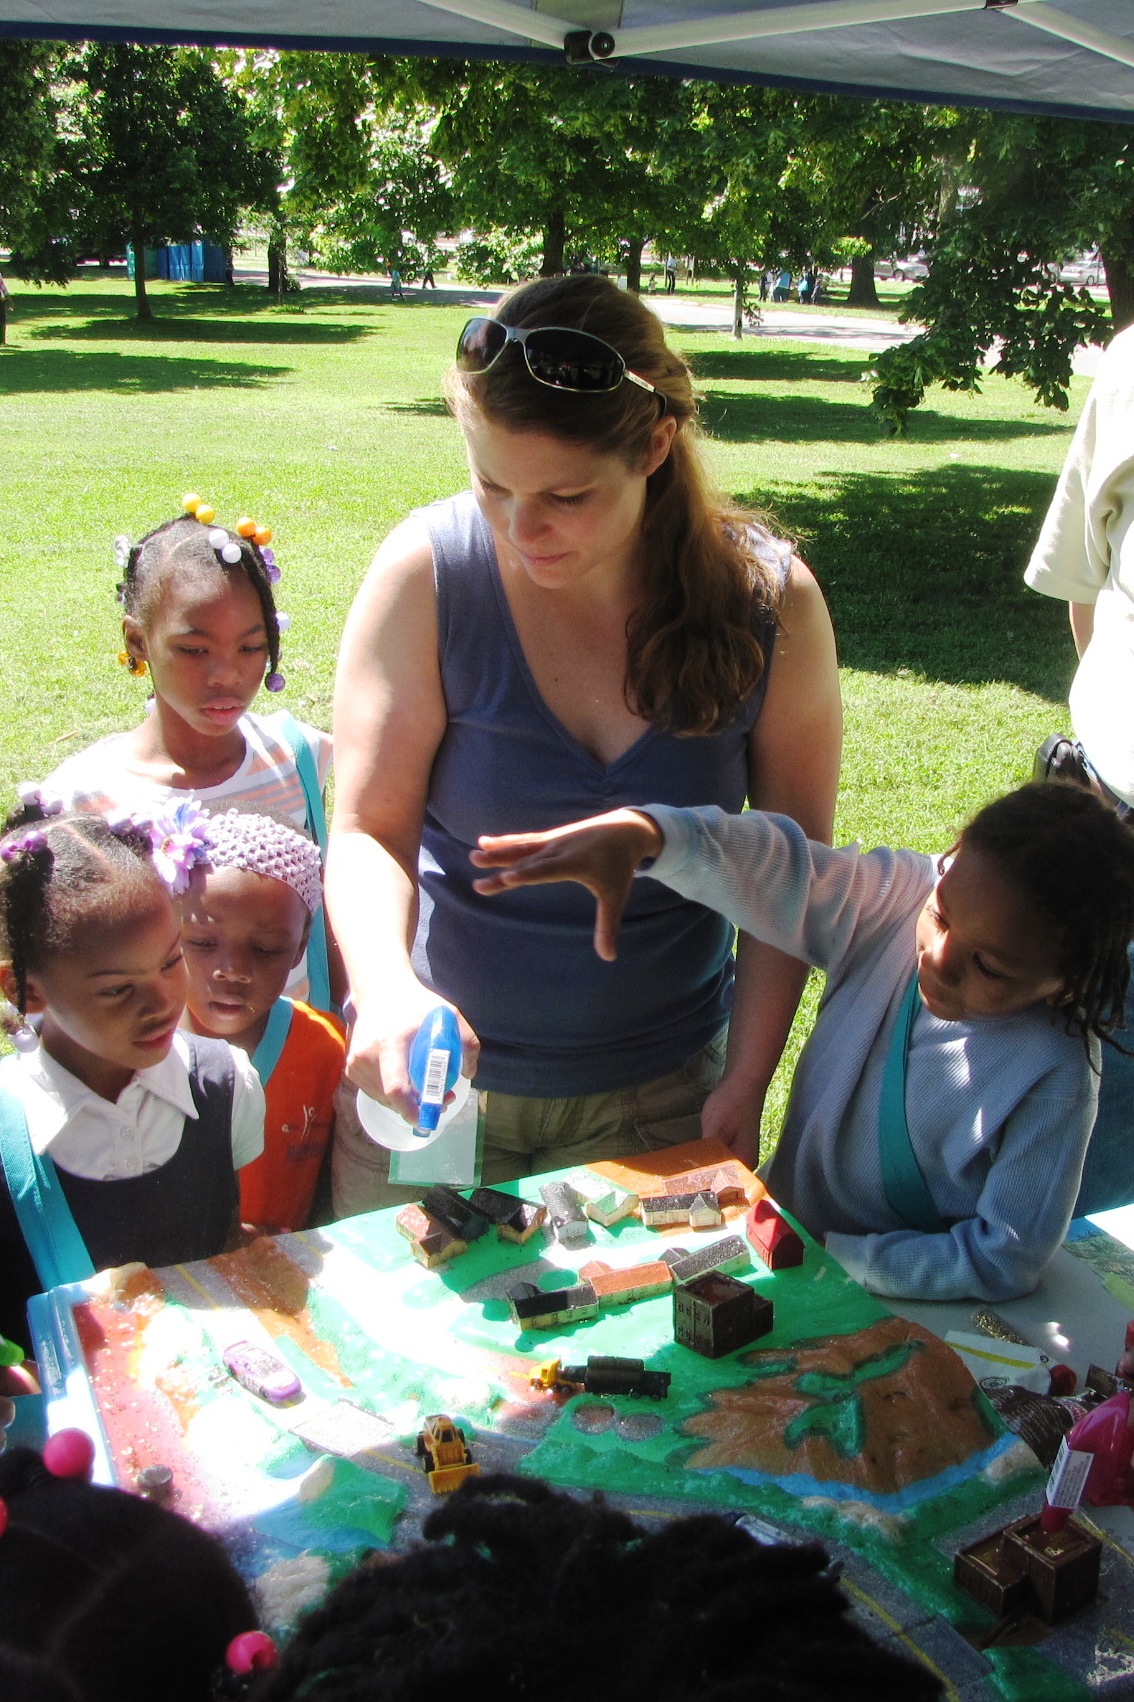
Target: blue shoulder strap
{"points": [[318, 969], [902, 1180], [290, 730], [272, 1041], [45, 1218]]}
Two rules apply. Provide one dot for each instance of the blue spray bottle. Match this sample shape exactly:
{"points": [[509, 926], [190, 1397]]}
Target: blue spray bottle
{"points": [[434, 1064], [444, 1146]]}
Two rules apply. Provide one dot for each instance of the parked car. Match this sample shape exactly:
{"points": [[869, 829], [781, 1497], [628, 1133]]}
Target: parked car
{"points": [[1085, 269], [913, 269]]}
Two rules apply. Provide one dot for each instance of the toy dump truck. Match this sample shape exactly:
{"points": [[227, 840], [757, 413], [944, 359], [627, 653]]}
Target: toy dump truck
{"points": [[442, 1449]]}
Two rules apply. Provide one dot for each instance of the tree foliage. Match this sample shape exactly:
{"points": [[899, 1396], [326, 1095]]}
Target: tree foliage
{"points": [[1039, 190], [578, 157], [29, 115], [162, 150]]}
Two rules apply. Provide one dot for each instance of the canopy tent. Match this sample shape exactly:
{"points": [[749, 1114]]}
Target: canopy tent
{"points": [[1074, 58]]}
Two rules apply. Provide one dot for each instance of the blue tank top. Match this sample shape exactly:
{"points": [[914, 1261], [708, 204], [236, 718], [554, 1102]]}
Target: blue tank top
{"points": [[553, 1019]]}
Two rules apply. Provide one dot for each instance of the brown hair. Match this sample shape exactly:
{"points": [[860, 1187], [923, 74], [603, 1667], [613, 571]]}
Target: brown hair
{"points": [[694, 651]]}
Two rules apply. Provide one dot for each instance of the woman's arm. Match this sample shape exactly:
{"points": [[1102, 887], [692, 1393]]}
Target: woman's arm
{"points": [[389, 719], [1082, 624], [793, 764]]}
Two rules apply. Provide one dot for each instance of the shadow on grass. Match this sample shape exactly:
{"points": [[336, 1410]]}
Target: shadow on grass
{"points": [[802, 419], [29, 371], [926, 574], [431, 407], [779, 366], [196, 330]]}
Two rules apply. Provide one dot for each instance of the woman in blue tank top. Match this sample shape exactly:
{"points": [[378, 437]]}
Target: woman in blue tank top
{"points": [[588, 626]]}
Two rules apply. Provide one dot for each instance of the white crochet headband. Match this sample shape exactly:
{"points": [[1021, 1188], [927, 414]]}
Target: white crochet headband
{"points": [[266, 847]]}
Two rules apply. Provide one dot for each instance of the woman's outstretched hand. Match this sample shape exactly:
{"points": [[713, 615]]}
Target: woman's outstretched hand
{"points": [[600, 854]]}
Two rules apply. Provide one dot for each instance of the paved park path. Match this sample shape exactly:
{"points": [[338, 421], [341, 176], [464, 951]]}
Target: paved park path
{"points": [[691, 313]]}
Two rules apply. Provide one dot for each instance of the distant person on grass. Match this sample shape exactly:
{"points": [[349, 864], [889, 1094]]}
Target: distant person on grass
{"points": [[588, 620]]}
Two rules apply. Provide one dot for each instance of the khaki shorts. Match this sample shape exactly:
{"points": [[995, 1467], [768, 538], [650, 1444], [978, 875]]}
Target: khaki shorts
{"points": [[525, 1137]]}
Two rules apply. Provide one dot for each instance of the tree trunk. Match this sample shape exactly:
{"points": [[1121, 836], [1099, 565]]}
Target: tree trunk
{"points": [[862, 292], [277, 258], [1120, 286], [554, 242], [141, 299], [634, 246], [738, 305]]}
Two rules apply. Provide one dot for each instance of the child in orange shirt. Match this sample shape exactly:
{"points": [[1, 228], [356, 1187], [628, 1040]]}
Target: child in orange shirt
{"points": [[245, 918]]}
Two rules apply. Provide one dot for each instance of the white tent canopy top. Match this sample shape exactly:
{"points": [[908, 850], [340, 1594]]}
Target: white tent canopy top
{"points": [[1073, 58]]}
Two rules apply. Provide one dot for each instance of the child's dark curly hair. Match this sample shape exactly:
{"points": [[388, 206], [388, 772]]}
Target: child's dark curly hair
{"points": [[57, 872], [1074, 859], [526, 1592], [105, 1597], [182, 545]]}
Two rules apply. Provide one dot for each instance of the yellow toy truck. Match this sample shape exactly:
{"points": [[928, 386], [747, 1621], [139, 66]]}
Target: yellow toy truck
{"points": [[444, 1453]]}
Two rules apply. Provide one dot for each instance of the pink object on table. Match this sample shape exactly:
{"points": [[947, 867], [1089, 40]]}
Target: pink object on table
{"points": [[1106, 1435], [69, 1453], [251, 1651]]}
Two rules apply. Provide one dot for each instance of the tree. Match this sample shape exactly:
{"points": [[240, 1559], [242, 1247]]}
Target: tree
{"points": [[579, 156], [1038, 190], [398, 205], [308, 117], [741, 210], [35, 200], [876, 174], [28, 111], [161, 151]]}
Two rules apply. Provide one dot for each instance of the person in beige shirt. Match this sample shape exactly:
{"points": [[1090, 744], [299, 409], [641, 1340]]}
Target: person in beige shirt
{"points": [[1085, 557]]}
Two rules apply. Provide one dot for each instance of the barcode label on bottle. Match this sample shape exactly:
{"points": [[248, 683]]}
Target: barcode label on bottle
{"points": [[1068, 1476], [436, 1069]]}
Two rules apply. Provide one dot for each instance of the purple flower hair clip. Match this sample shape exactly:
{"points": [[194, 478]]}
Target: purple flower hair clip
{"points": [[179, 836]]}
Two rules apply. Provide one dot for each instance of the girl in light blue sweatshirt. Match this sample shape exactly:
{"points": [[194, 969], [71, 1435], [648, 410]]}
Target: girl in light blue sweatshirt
{"points": [[941, 1108]]}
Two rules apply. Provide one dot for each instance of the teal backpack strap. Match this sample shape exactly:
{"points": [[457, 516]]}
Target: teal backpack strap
{"points": [[318, 969], [290, 730], [902, 1180], [45, 1218], [272, 1041]]}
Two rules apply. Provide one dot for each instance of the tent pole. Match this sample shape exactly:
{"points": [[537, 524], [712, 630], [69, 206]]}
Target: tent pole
{"points": [[698, 32], [1055, 22]]}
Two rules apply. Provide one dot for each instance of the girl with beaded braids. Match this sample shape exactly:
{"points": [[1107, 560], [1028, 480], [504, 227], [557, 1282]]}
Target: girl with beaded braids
{"points": [[199, 616], [589, 619], [119, 1136]]}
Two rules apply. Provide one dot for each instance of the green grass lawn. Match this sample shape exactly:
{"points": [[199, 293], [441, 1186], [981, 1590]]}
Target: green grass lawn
{"points": [[322, 418]]}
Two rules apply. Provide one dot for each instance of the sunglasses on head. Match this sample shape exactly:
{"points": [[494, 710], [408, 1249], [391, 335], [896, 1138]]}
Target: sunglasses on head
{"points": [[555, 355]]}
